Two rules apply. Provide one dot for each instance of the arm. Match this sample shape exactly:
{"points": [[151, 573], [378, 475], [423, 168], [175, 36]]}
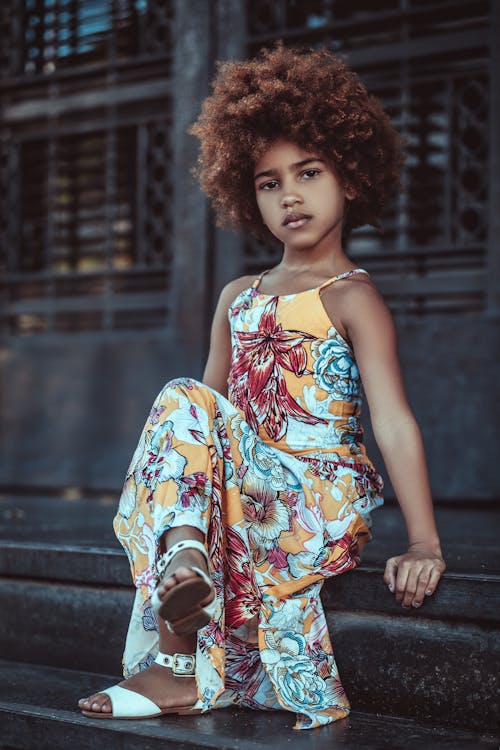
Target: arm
{"points": [[219, 356], [370, 327]]}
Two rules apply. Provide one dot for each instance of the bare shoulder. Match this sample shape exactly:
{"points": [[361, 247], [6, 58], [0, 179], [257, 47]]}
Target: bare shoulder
{"points": [[357, 289], [233, 288], [356, 302]]}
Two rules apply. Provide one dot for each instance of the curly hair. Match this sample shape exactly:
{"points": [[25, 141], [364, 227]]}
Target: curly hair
{"points": [[306, 96]]}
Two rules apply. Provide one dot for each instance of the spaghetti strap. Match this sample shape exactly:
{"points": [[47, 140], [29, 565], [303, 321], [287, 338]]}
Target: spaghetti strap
{"points": [[259, 278], [345, 275]]}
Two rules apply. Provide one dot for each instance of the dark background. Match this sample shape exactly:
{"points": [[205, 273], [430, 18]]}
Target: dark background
{"points": [[110, 262]]}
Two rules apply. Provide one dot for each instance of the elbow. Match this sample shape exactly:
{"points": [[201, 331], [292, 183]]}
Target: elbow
{"points": [[390, 431]]}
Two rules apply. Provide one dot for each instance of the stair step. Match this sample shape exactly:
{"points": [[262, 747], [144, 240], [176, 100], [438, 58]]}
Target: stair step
{"points": [[37, 710], [469, 533], [431, 670], [428, 668], [462, 595], [438, 663]]}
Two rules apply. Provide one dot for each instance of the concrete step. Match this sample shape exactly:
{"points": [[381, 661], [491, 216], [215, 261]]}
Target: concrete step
{"points": [[469, 532], [438, 663], [462, 595], [37, 712]]}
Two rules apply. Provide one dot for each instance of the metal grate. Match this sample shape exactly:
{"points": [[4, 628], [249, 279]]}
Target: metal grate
{"points": [[85, 224], [66, 197], [80, 264], [360, 24], [50, 35], [428, 63]]}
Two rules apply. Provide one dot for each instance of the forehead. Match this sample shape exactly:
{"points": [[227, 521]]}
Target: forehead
{"points": [[282, 154]]}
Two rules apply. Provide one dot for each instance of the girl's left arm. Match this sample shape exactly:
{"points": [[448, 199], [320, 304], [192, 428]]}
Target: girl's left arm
{"points": [[371, 330]]}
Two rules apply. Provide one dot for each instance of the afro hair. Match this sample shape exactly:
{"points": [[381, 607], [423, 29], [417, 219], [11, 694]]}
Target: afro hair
{"points": [[306, 96]]}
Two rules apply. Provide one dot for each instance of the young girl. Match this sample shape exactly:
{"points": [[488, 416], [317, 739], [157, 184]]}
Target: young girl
{"points": [[246, 492]]}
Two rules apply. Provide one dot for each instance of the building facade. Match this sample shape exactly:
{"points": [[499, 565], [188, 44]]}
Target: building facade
{"points": [[109, 258]]}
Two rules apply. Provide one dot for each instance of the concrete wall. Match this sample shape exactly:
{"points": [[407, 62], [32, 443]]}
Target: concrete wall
{"points": [[71, 411], [451, 370]]}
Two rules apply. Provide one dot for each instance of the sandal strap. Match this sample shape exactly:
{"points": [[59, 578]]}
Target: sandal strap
{"points": [[128, 704], [166, 558], [182, 665]]}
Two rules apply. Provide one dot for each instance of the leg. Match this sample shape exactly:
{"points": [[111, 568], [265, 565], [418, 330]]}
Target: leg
{"points": [[188, 603], [158, 683], [176, 481]]}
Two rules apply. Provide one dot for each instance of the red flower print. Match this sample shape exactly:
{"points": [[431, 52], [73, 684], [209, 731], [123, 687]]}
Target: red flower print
{"points": [[194, 489], [277, 557], [241, 590], [257, 385], [346, 555]]}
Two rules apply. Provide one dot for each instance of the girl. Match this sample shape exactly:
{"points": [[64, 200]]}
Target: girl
{"points": [[247, 491]]}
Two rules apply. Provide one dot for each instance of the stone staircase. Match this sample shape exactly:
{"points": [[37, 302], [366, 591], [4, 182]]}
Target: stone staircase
{"points": [[423, 678]]}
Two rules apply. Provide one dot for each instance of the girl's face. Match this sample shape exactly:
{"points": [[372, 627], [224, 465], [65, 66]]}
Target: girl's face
{"points": [[300, 199]]}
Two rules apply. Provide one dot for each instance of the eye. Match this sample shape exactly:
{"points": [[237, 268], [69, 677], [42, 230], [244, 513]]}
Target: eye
{"points": [[308, 174], [269, 185]]}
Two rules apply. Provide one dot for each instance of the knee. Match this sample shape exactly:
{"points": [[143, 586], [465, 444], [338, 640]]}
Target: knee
{"points": [[183, 384], [195, 391]]}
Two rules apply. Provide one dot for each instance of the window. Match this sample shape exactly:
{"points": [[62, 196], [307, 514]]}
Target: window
{"points": [[85, 225]]}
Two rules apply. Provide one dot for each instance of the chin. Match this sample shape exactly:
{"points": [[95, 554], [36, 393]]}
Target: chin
{"points": [[302, 244]]}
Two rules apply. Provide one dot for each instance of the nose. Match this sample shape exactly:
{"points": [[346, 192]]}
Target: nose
{"points": [[290, 199]]}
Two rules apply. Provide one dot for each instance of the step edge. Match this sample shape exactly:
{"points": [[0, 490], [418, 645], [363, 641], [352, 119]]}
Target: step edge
{"points": [[93, 551], [196, 738]]}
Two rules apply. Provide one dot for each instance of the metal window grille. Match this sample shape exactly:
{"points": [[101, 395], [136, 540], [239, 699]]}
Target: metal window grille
{"points": [[428, 61], [85, 138]]}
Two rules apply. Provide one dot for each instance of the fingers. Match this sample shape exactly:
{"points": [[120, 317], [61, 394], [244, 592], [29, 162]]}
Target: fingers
{"points": [[435, 576], [422, 585], [390, 573], [407, 588], [412, 580]]}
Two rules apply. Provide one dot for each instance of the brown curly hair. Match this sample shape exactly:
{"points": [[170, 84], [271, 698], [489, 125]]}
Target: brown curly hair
{"points": [[311, 98]]}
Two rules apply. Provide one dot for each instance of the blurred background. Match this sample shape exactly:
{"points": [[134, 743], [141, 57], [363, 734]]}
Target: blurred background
{"points": [[109, 258]]}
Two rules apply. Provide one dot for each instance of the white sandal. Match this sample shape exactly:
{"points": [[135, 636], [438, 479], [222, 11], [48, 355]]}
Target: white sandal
{"points": [[185, 608], [127, 704]]}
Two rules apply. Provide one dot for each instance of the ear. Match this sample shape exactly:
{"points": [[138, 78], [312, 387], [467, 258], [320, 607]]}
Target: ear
{"points": [[350, 193]]}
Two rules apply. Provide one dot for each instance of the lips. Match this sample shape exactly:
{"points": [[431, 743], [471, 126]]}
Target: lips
{"points": [[295, 220]]}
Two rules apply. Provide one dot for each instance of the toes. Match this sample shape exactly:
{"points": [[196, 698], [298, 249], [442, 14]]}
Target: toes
{"points": [[98, 703], [180, 575], [85, 702], [184, 574]]}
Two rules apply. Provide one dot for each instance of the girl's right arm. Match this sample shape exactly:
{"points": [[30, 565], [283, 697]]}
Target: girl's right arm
{"points": [[219, 357]]}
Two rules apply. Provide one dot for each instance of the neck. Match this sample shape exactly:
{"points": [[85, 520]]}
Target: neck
{"points": [[331, 264]]}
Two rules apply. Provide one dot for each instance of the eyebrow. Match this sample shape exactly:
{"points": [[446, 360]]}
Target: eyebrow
{"points": [[297, 165]]}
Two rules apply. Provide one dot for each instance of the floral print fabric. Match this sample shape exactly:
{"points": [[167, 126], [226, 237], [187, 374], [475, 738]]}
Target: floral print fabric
{"points": [[277, 478]]}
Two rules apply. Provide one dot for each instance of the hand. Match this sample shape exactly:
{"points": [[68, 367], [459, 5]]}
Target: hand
{"points": [[415, 574]]}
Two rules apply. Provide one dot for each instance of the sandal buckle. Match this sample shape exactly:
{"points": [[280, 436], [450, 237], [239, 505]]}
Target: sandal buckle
{"points": [[183, 665]]}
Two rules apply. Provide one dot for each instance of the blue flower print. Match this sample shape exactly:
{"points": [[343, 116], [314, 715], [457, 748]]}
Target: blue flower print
{"points": [[164, 461], [291, 670], [143, 665], [149, 620], [261, 457], [335, 369]]}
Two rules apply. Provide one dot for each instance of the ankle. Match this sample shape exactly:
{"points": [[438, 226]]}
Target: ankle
{"points": [[195, 548], [170, 643], [180, 534]]}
